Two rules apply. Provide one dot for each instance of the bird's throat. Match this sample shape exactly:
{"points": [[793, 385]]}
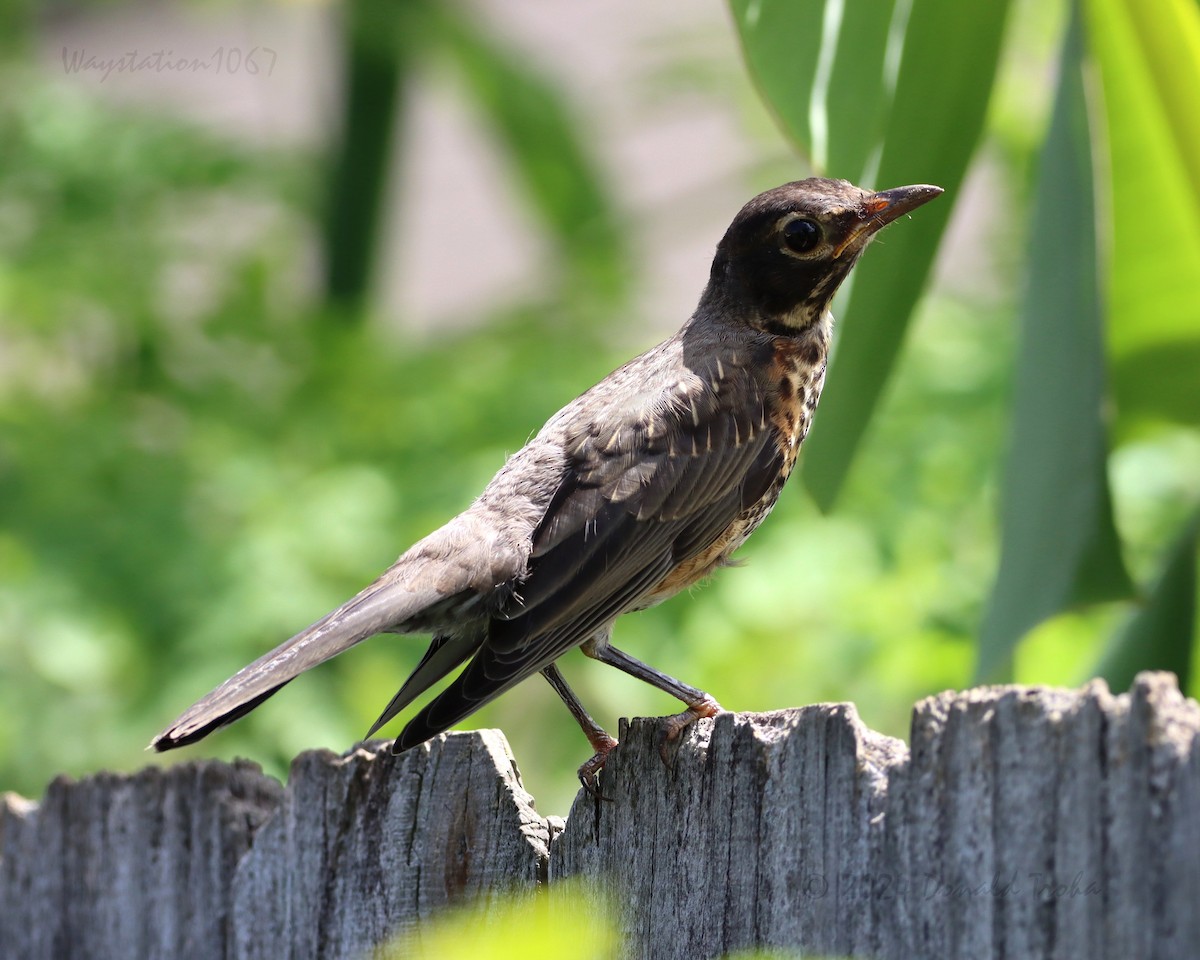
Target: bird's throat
{"points": [[804, 320]]}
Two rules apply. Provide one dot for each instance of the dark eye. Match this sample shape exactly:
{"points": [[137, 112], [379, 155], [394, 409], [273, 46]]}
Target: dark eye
{"points": [[801, 236]]}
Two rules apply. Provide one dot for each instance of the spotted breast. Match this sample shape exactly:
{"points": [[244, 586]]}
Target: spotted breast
{"points": [[794, 378], [798, 372]]}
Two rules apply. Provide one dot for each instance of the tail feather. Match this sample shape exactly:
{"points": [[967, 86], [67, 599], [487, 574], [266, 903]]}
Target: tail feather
{"points": [[443, 655], [383, 606]]}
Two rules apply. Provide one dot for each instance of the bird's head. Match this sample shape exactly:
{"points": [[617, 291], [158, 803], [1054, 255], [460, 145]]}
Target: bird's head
{"points": [[787, 251]]}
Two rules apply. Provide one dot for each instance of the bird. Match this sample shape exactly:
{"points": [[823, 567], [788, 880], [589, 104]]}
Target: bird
{"points": [[641, 487]]}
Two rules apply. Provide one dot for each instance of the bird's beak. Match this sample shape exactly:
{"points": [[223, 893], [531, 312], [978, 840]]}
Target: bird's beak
{"points": [[882, 208]]}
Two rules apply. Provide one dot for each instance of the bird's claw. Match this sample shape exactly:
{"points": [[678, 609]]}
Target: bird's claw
{"points": [[675, 724], [589, 772]]}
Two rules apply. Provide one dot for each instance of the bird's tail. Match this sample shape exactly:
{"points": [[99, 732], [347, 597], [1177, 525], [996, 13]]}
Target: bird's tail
{"points": [[384, 605]]}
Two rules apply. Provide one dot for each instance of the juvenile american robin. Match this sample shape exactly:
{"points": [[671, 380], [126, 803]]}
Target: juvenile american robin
{"points": [[634, 491]]}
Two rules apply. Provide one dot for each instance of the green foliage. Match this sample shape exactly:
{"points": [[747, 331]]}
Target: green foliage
{"points": [[1056, 477], [194, 461], [1136, 140], [1156, 636], [879, 121], [545, 926], [568, 919], [197, 458], [547, 156], [376, 67], [1148, 56], [386, 44]]}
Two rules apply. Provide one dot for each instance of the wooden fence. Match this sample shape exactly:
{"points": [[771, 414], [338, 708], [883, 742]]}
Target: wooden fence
{"points": [[1021, 822]]}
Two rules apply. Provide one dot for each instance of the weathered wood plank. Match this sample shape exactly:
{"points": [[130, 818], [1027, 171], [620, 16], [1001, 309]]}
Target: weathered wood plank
{"points": [[367, 845], [138, 866], [764, 831], [1022, 823], [207, 860]]}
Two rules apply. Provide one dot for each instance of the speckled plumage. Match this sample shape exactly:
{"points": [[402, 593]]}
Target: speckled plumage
{"points": [[635, 490]]}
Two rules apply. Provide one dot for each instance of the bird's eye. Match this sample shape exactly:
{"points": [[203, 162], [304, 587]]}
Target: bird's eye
{"points": [[801, 236]]}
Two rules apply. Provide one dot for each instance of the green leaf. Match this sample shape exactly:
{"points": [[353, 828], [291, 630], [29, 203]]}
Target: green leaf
{"points": [[1160, 380], [1148, 54], [823, 70], [781, 42], [1161, 635], [375, 67], [570, 919], [859, 90], [934, 123], [1059, 544]]}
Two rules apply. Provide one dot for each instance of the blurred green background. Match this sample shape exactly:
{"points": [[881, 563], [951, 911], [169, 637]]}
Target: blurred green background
{"points": [[282, 284]]}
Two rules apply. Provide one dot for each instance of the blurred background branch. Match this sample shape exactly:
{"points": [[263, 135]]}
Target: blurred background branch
{"points": [[376, 63]]}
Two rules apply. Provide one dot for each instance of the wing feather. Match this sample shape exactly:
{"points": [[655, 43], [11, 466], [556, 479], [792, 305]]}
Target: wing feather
{"points": [[635, 503]]}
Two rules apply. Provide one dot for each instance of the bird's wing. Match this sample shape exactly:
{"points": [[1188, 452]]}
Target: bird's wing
{"points": [[638, 499]]}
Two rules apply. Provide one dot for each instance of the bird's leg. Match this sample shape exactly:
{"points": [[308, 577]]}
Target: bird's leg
{"points": [[699, 704], [602, 743]]}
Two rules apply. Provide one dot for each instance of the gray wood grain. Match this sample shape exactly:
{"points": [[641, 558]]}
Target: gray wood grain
{"points": [[367, 845], [1022, 822], [208, 860], [128, 866]]}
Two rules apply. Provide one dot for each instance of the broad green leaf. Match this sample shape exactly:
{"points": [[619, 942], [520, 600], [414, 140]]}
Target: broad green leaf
{"points": [[1161, 635], [1160, 380], [933, 125], [826, 69], [1059, 544], [782, 45], [859, 89], [823, 67], [1148, 54]]}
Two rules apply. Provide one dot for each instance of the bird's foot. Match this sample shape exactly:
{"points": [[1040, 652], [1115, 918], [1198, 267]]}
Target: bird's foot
{"points": [[674, 725], [589, 773]]}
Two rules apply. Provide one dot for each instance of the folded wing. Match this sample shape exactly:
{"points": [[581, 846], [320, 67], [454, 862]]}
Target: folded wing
{"points": [[636, 501]]}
